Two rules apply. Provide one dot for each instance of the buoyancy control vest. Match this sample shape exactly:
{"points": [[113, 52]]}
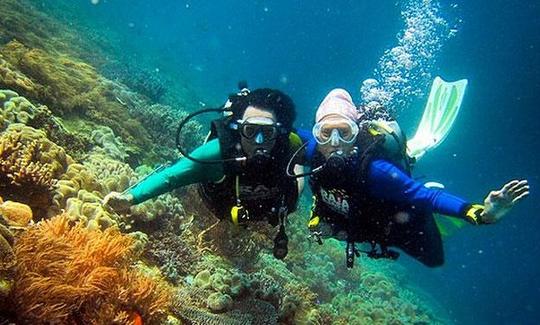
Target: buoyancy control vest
{"points": [[342, 207], [263, 191]]}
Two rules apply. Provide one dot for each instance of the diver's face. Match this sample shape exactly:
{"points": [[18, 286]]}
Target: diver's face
{"points": [[258, 131], [335, 133]]}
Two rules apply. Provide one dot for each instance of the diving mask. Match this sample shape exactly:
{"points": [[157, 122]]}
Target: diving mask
{"points": [[259, 129], [334, 130]]}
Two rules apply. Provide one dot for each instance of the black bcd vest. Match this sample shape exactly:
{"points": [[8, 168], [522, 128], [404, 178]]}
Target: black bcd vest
{"points": [[263, 189]]}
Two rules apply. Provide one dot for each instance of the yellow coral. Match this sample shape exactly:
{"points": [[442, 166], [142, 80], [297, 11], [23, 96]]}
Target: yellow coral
{"points": [[10, 77], [28, 157], [72, 87], [15, 213]]}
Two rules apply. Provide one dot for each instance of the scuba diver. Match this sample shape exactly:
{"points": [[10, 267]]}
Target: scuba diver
{"points": [[364, 193], [241, 167]]}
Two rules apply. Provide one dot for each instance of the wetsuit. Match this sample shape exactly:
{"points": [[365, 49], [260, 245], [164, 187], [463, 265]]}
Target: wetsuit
{"points": [[181, 173], [383, 205], [264, 194]]}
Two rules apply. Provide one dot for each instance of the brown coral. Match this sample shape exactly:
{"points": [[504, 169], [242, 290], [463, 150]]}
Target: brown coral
{"points": [[7, 257], [70, 274], [12, 78]]}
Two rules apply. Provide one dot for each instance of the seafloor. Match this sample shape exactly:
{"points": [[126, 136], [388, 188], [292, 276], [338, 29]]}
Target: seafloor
{"points": [[71, 132]]}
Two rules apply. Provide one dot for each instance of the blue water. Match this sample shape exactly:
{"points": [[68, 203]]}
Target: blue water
{"points": [[307, 48]]}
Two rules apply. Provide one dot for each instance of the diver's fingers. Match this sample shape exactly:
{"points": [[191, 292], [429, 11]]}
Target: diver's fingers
{"points": [[518, 186], [519, 191], [521, 197], [509, 185]]}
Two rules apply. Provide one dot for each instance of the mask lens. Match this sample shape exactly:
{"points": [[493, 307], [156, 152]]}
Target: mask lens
{"points": [[250, 131], [343, 129], [269, 132]]}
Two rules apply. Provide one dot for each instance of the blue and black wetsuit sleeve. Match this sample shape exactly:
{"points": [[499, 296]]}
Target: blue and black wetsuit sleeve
{"points": [[388, 182], [183, 172], [307, 138]]}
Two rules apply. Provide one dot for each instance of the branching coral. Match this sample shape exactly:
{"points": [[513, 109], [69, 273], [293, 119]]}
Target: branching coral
{"points": [[29, 165], [28, 157], [70, 274], [17, 109]]}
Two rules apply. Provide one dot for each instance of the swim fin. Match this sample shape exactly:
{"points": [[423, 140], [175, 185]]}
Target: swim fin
{"points": [[449, 225], [439, 115]]}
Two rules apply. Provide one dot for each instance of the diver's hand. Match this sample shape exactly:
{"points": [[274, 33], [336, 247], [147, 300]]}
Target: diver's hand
{"points": [[499, 203], [118, 202]]}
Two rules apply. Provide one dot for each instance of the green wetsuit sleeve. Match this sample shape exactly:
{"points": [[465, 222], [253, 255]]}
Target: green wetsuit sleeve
{"points": [[182, 172]]}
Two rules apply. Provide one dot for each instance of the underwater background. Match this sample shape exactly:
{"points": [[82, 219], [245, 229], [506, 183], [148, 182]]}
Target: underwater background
{"points": [[141, 65]]}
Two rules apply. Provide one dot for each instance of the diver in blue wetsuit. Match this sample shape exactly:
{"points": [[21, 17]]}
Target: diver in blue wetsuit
{"points": [[363, 190]]}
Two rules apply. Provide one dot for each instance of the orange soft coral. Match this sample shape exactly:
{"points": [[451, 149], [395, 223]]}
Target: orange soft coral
{"points": [[70, 274]]}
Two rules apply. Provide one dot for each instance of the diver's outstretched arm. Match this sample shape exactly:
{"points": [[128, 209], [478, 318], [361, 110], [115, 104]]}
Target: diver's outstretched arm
{"points": [[498, 203], [183, 172]]}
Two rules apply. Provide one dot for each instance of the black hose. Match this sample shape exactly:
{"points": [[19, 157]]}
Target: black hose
{"points": [[316, 170], [185, 154]]}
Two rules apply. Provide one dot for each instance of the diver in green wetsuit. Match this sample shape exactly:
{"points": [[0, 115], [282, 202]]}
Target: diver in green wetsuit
{"points": [[240, 169]]}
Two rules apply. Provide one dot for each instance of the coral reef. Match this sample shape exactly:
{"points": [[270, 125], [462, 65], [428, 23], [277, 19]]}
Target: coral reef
{"points": [[70, 274], [12, 78], [94, 266], [112, 145], [17, 109], [145, 82], [73, 88], [29, 165], [7, 257]]}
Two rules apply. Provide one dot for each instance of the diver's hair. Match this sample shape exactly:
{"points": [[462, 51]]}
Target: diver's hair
{"points": [[273, 100]]}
